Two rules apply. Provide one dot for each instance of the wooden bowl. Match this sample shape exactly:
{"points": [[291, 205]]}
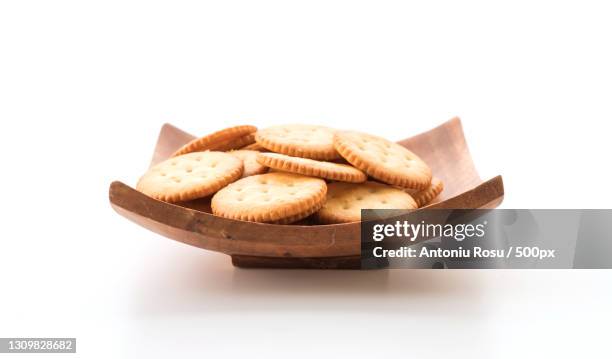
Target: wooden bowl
{"points": [[301, 246]]}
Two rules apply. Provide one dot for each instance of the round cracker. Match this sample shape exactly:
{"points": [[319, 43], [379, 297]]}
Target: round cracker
{"points": [[308, 167], [223, 140], [270, 198], [307, 141], [254, 147], [190, 176], [423, 197], [346, 200], [251, 166], [383, 160], [237, 143]]}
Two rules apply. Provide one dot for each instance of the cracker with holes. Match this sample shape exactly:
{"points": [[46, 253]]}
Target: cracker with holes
{"points": [[251, 166], [190, 176], [346, 200], [383, 160], [308, 167], [307, 141], [425, 196], [224, 140], [270, 198]]}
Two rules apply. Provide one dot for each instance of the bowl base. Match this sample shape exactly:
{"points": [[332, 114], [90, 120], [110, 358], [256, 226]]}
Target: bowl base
{"points": [[346, 262]]}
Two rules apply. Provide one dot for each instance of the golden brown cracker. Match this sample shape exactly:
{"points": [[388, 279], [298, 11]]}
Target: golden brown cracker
{"points": [[382, 159], [346, 200], [190, 176], [308, 167], [254, 147], [425, 196], [251, 166], [223, 140], [270, 198], [307, 141]]}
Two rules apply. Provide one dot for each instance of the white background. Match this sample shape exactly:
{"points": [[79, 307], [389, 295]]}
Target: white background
{"points": [[85, 87]]}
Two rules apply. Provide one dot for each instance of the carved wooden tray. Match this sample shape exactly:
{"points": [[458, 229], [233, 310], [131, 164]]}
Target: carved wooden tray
{"points": [[305, 246]]}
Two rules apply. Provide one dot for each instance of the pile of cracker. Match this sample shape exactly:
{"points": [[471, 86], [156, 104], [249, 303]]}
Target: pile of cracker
{"points": [[284, 174]]}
